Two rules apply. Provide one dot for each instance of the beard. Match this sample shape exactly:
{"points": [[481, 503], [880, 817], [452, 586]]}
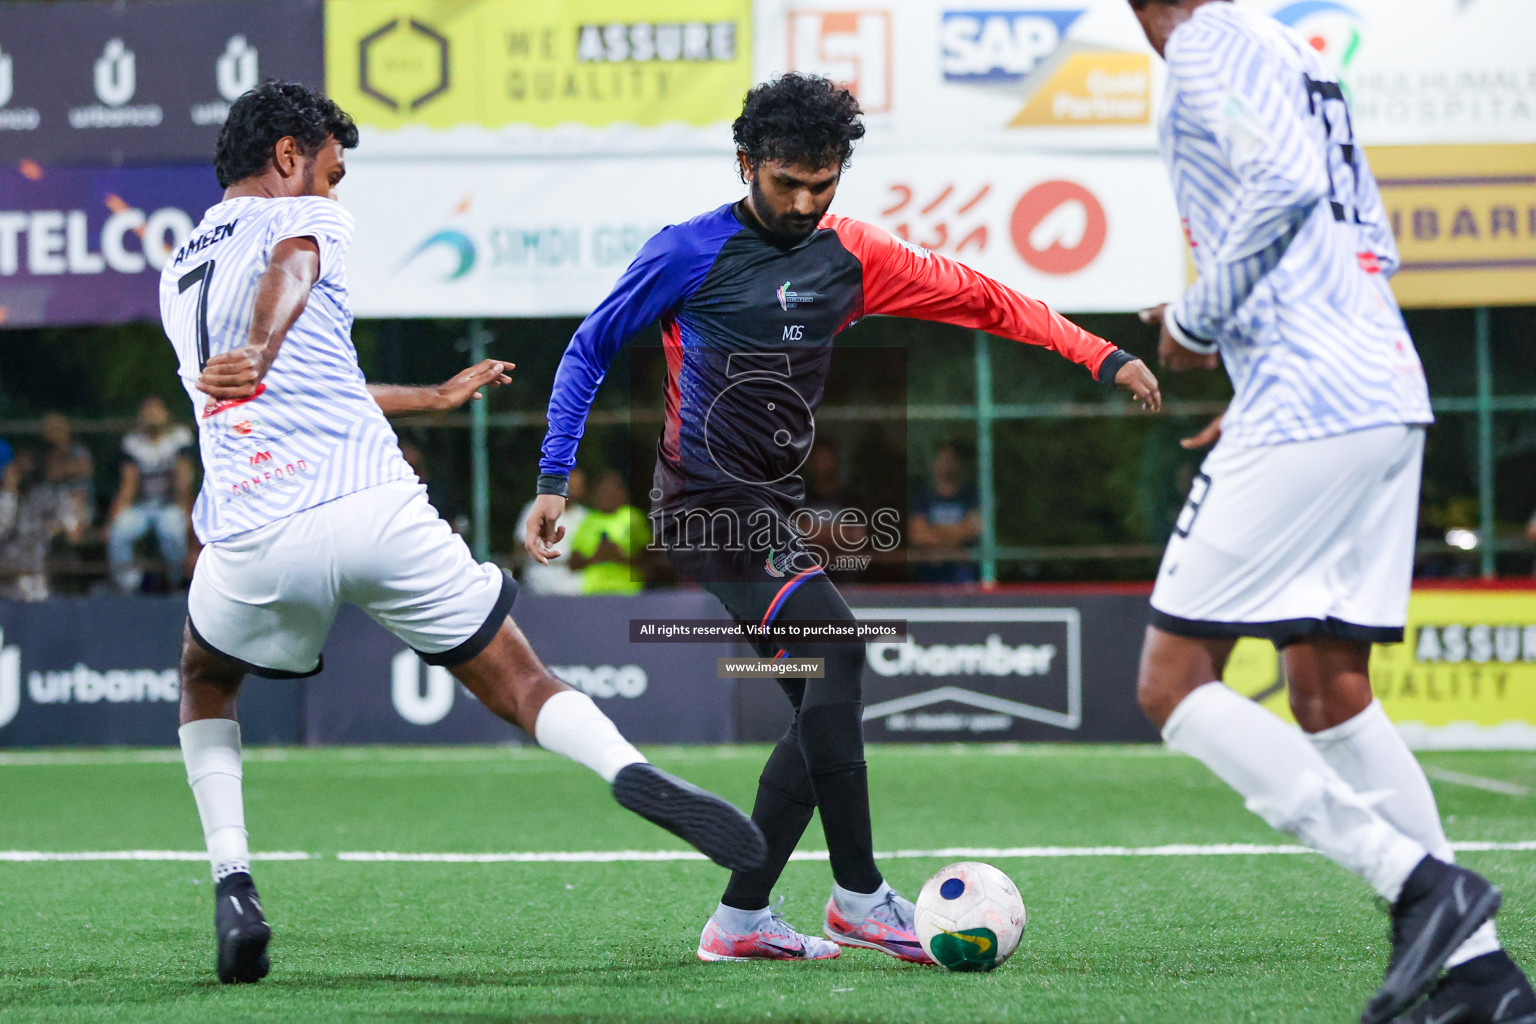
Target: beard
{"points": [[789, 229]]}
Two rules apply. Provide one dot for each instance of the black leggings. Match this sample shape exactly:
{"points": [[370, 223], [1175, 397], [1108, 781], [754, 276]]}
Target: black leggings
{"points": [[819, 762]]}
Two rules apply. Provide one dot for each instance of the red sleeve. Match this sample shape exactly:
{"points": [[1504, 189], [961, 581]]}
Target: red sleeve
{"points": [[904, 280]]}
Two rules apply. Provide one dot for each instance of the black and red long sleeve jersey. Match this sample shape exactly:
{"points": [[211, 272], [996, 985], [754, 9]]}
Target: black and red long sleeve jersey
{"points": [[748, 327]]}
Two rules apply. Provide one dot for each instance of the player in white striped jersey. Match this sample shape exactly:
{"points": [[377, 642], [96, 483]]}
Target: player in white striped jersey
{"points": [[307, 503], [1300, 527]]}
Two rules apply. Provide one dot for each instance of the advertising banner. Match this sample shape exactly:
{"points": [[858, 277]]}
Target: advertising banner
{"points": [[92, 671], [85, 246], [376, 690], [102, 671], [1465, 222], [978, 76], [1009, 75], [146, 82], [975, 668], [429, 78], [1464, 677], [535, 238]]}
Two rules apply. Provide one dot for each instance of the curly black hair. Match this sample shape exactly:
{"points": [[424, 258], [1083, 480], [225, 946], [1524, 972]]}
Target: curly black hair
{"points": [[269, 112], [799, 118]]}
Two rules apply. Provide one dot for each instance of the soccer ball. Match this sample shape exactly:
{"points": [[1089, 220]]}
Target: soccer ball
{"points": [[970, 916]]}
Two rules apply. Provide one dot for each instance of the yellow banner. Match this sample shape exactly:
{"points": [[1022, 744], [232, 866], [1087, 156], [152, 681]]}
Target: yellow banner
{"points": [[1468, 659], [1465, 222], [494, 64], [1089, 86]]}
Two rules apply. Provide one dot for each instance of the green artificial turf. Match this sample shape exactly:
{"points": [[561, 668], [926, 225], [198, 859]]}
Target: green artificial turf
{"points": [[1178, 939]]}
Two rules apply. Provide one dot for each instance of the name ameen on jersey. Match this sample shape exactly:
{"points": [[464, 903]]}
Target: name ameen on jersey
{"points": [[201, 242]]}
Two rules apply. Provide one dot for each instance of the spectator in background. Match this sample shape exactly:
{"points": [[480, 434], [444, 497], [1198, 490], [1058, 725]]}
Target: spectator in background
{"points": [[946, 517], [826, 500], [155, 495], [558, 577], [611, 536], [67, 464], [32, 512]]}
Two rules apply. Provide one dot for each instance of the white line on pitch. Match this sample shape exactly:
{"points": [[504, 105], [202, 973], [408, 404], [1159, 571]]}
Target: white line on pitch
{"points": [[664, 856], [1476, 781], [151, 855]]}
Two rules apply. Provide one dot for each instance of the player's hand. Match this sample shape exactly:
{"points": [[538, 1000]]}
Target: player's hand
{"points": [[1138, 380], [465, 385], [233, 374], [1208, 435], [1170, 354], [543, 533]]}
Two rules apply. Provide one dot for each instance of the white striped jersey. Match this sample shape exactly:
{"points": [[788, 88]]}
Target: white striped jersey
{"points": [[1290, 238], [312, 433]]}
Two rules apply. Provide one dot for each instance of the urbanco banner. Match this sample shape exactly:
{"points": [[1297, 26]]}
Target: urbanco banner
{"points": [[436, 78], [143, 82], [550, 238]]}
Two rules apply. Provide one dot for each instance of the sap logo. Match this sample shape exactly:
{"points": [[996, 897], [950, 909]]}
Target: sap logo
{"points": [[999, 46], [794, 332], [852, 48]]}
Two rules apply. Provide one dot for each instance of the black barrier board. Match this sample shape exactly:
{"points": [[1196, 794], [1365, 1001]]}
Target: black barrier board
{"points": [[102, 671], [143, 82], [376, 690]]}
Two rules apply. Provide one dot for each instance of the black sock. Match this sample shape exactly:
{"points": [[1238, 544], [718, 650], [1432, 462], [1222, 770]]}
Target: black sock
{"points": [[783, 809], [832, 739]]}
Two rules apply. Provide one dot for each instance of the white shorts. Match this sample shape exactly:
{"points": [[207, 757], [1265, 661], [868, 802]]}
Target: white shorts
{"points": [[1292, 540], [266, 599]]}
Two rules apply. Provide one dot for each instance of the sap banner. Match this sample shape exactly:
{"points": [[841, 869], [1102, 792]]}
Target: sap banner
{"points": [[549, 238], [143, 82], [1006, 75], [85, 245]]}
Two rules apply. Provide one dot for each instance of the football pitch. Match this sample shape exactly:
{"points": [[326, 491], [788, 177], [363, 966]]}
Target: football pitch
{"points": [[1145, 904]]}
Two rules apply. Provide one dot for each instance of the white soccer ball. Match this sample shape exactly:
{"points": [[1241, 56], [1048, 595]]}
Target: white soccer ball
{"points": [[970, 916]]}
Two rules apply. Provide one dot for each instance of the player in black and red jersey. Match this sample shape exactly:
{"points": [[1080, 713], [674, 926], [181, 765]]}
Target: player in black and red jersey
{"points": [[750, 297]]}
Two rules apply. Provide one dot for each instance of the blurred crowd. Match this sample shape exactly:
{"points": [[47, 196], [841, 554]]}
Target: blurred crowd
{"points": [[71, 524], [61, 533]]}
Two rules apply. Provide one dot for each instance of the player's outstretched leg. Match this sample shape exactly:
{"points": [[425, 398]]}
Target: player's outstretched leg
{"points": [[509, 679], [210, 746], [1282, 777]]}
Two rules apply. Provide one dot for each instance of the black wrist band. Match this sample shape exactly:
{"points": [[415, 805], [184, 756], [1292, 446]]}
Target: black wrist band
{"points": [[1111, 366], [555, 483]]}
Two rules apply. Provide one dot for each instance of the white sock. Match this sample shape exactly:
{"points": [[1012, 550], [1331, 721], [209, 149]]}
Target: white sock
{"points": [[740, 922], [859, 905], [1285, 781], [1368, 753], [571, 725], [211, 749]]}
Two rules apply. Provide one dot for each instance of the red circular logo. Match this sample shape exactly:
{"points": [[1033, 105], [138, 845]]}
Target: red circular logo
{"points": [[1052, 212]]}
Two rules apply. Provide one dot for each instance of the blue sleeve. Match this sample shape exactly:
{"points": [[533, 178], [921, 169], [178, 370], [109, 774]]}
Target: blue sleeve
{"points": [[666, 270]]}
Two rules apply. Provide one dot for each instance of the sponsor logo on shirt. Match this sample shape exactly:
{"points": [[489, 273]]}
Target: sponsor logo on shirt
{"points": [[790, 299]]}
